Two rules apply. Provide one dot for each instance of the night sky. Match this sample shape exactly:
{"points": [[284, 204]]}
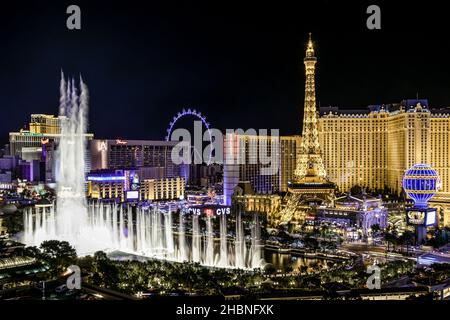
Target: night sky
{"points": [[239, 65]]}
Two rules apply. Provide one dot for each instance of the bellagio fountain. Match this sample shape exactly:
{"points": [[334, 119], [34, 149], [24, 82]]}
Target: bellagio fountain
{"points": [[144, 229]]}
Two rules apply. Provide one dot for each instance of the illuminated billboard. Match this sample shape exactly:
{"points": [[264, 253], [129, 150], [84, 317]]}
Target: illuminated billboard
{"points": [[132, 195], [431, 218], [131, 180], [426, 217], [416, 217], [209, 210]]}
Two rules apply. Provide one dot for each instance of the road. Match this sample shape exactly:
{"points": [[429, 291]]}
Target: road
{"points": [[106, 293], [375, 251]]}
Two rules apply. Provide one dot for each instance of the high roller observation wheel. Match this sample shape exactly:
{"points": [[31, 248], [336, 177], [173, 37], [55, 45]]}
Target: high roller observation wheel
{"points": [[196, 114]]}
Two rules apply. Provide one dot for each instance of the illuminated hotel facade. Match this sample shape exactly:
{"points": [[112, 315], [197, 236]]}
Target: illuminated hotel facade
{"points": [[42, 129], [45, 123], [373, 148], [39, 141], [152, 158], [249, 148], [125, 185], [289, 150]]}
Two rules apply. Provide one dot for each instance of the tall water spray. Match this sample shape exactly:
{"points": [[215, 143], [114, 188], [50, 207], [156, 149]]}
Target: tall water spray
{"points": [[139, 229], [71, 222], [72, 210]]}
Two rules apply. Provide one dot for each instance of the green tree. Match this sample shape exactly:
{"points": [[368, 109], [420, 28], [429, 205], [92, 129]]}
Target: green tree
{"points": [[32, 252], [13, 223], [408, 239], [311, 243], [86, 265], [58, 255], [390, 236], [288, 269], [303, 269], [375, 228], [270, 269], [106, 273]]}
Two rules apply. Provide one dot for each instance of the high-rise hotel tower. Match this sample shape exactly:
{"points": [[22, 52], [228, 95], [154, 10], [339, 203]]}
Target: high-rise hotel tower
{"points": [[373, 148]]}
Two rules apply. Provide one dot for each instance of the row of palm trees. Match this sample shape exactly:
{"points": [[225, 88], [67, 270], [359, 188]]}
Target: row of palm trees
{"points": [[394, 239]]}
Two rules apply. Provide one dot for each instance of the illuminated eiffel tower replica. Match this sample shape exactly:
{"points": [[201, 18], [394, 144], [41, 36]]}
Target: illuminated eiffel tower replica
{"points": [[310, 187]]}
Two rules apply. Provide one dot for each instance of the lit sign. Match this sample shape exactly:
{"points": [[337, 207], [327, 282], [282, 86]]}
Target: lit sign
{"points": [[431, 218], [120, 141], [209, 211], [131, 180], [106, 178], [196, 211], [416, 217], [224, 210], [426, 217], [134, 181], [132, 195], [102, 146], [32, 134]]}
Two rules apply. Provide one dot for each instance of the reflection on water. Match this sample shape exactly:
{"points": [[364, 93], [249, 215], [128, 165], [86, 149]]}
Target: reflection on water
{"points": [[281, 261]]}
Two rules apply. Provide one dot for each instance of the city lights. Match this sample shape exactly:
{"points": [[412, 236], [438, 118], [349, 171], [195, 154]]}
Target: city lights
{"points": [[140, 176]]}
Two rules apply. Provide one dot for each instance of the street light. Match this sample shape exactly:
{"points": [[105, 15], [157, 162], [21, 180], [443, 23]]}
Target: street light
{"points": [[43, 289]]}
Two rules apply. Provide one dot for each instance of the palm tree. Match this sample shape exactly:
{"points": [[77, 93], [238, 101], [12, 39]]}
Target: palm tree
{"points": [[375, 228], [323, 230], [400, 241], [408, 239], [388, 238], [303, 269]]}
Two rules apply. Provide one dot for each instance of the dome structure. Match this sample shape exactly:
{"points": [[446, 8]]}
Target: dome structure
{"points": [[421, 182], [44, 203], [8, 208]]}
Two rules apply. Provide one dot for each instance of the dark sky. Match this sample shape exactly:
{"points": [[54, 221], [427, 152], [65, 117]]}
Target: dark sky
{"points": [[240, 65]]}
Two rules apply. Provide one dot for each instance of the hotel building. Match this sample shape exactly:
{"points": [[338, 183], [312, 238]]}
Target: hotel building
{"points": [[373, 148], [242, 162], [245, 198], [357, 211], [45, 124], [38, 143], [289, 149], [162, 189], [151, 156], [42, 129], [125, 185]]}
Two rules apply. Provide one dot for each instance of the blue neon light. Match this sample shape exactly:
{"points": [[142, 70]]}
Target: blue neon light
{"points": [[196, 114], [106, 178], [421, 183]]}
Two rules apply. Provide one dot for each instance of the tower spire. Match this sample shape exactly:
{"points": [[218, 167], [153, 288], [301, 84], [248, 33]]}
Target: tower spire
{"points": [[310, 47], [310, 161], [310, 186]]}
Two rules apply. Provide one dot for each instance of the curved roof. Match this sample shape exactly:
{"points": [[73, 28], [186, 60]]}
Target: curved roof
{"points": [[8, 208], [43, 202]]}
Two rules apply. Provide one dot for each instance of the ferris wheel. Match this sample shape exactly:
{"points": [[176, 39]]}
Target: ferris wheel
{"points": [[190, 113]]}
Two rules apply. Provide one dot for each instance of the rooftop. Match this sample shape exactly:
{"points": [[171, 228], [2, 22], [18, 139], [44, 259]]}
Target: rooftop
{"points": [[409, 105]]}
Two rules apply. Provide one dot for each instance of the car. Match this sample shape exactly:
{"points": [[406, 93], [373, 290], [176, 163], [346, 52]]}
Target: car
{"points": [[70, 292], [61, 289]]}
